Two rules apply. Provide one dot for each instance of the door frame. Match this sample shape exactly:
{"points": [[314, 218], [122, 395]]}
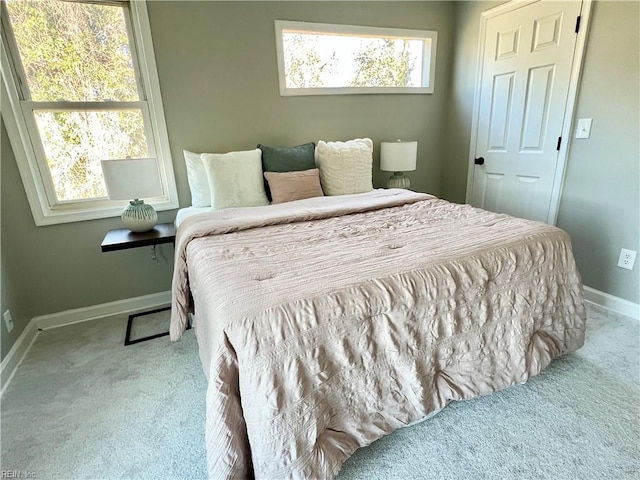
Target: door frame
{"points": [[569, 112]]}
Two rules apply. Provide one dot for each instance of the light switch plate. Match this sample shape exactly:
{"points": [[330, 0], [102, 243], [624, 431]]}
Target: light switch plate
{"points": [[584, 128]]}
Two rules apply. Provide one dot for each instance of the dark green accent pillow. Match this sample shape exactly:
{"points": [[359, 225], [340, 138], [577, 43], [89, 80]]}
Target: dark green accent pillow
{"points": [[287, 159]]}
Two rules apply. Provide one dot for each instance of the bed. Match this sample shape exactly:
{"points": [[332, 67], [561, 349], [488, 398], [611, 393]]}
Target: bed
{"points": [[324, 324]]}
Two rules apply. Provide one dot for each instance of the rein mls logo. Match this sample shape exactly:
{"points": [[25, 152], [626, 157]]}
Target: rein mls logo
{"points": [[18, 474]]}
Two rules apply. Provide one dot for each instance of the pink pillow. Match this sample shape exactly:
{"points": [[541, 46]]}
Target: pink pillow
{"points": [[290, 186]]}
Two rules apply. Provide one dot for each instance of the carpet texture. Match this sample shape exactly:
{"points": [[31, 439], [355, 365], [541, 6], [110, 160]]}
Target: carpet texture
{"points": [[84, 406]]}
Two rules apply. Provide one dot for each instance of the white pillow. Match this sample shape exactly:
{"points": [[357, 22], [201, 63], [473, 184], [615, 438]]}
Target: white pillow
{"points": [[198, 181], [345, 167], [235, 179]]}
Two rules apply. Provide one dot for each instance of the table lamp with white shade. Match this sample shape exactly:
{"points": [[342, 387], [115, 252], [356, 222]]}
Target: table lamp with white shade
{"points": [[398, 157], [133, 179]]}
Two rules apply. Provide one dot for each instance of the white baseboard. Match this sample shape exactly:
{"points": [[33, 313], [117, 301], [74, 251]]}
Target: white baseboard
{"points": [[14, 358], [616, 304], [44, 322], [54, 320]]}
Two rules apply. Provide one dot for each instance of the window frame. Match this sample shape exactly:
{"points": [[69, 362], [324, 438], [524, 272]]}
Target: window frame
{"points": [[310, 27], [28, 148]]}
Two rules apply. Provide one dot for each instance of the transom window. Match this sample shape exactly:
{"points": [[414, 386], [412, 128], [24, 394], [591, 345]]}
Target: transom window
{"points": [[80, 93], [320, 59]]}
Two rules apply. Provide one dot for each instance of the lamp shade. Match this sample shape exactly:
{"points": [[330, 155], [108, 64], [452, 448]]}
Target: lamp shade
{"points": [[398, 156], [131, 178]]}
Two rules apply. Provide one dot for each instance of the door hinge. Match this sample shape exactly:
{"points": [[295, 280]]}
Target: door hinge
{"points": [[578, 23], [558, 144]]}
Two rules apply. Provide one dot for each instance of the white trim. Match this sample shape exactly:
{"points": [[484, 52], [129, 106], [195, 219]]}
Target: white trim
{"points": [[45, 322], [151, 84], [16, 355], [610, 302], [27, 147], [569, 112], [429, 57], [69, 317], [18, 137], [572, 95], [83, 106]]}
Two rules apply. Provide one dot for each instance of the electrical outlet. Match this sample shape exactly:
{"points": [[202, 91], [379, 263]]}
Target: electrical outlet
{"points": [[627, 259], [8, 320]]}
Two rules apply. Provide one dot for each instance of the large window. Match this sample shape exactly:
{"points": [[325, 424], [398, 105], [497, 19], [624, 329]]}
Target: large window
{"points": [[81, 81], [320, 59]]}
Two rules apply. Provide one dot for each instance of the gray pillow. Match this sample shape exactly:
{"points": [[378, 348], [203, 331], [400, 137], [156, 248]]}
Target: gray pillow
{"points": [[287, 159]]}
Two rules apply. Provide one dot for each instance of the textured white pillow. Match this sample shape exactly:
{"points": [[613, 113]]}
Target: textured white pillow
{"points": [[345, 167], [235, 179], [198, 181]]}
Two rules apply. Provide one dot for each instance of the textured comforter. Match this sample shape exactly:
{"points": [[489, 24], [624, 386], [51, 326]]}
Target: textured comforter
{"points": [[324, 324]]}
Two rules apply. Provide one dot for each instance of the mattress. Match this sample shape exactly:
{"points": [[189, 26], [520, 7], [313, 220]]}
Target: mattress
{"points": [[327, 323]]}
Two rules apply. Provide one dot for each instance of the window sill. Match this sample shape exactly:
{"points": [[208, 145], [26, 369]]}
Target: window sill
{"points": [[68, 214]]}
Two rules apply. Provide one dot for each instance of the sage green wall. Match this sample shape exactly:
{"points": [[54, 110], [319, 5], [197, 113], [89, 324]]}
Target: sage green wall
{"points": [[600, 203], [13, 292], [219, 81], [217, 68]]}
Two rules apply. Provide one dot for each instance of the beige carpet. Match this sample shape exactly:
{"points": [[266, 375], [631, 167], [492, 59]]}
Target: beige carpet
{"points": [[84, 406]]}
